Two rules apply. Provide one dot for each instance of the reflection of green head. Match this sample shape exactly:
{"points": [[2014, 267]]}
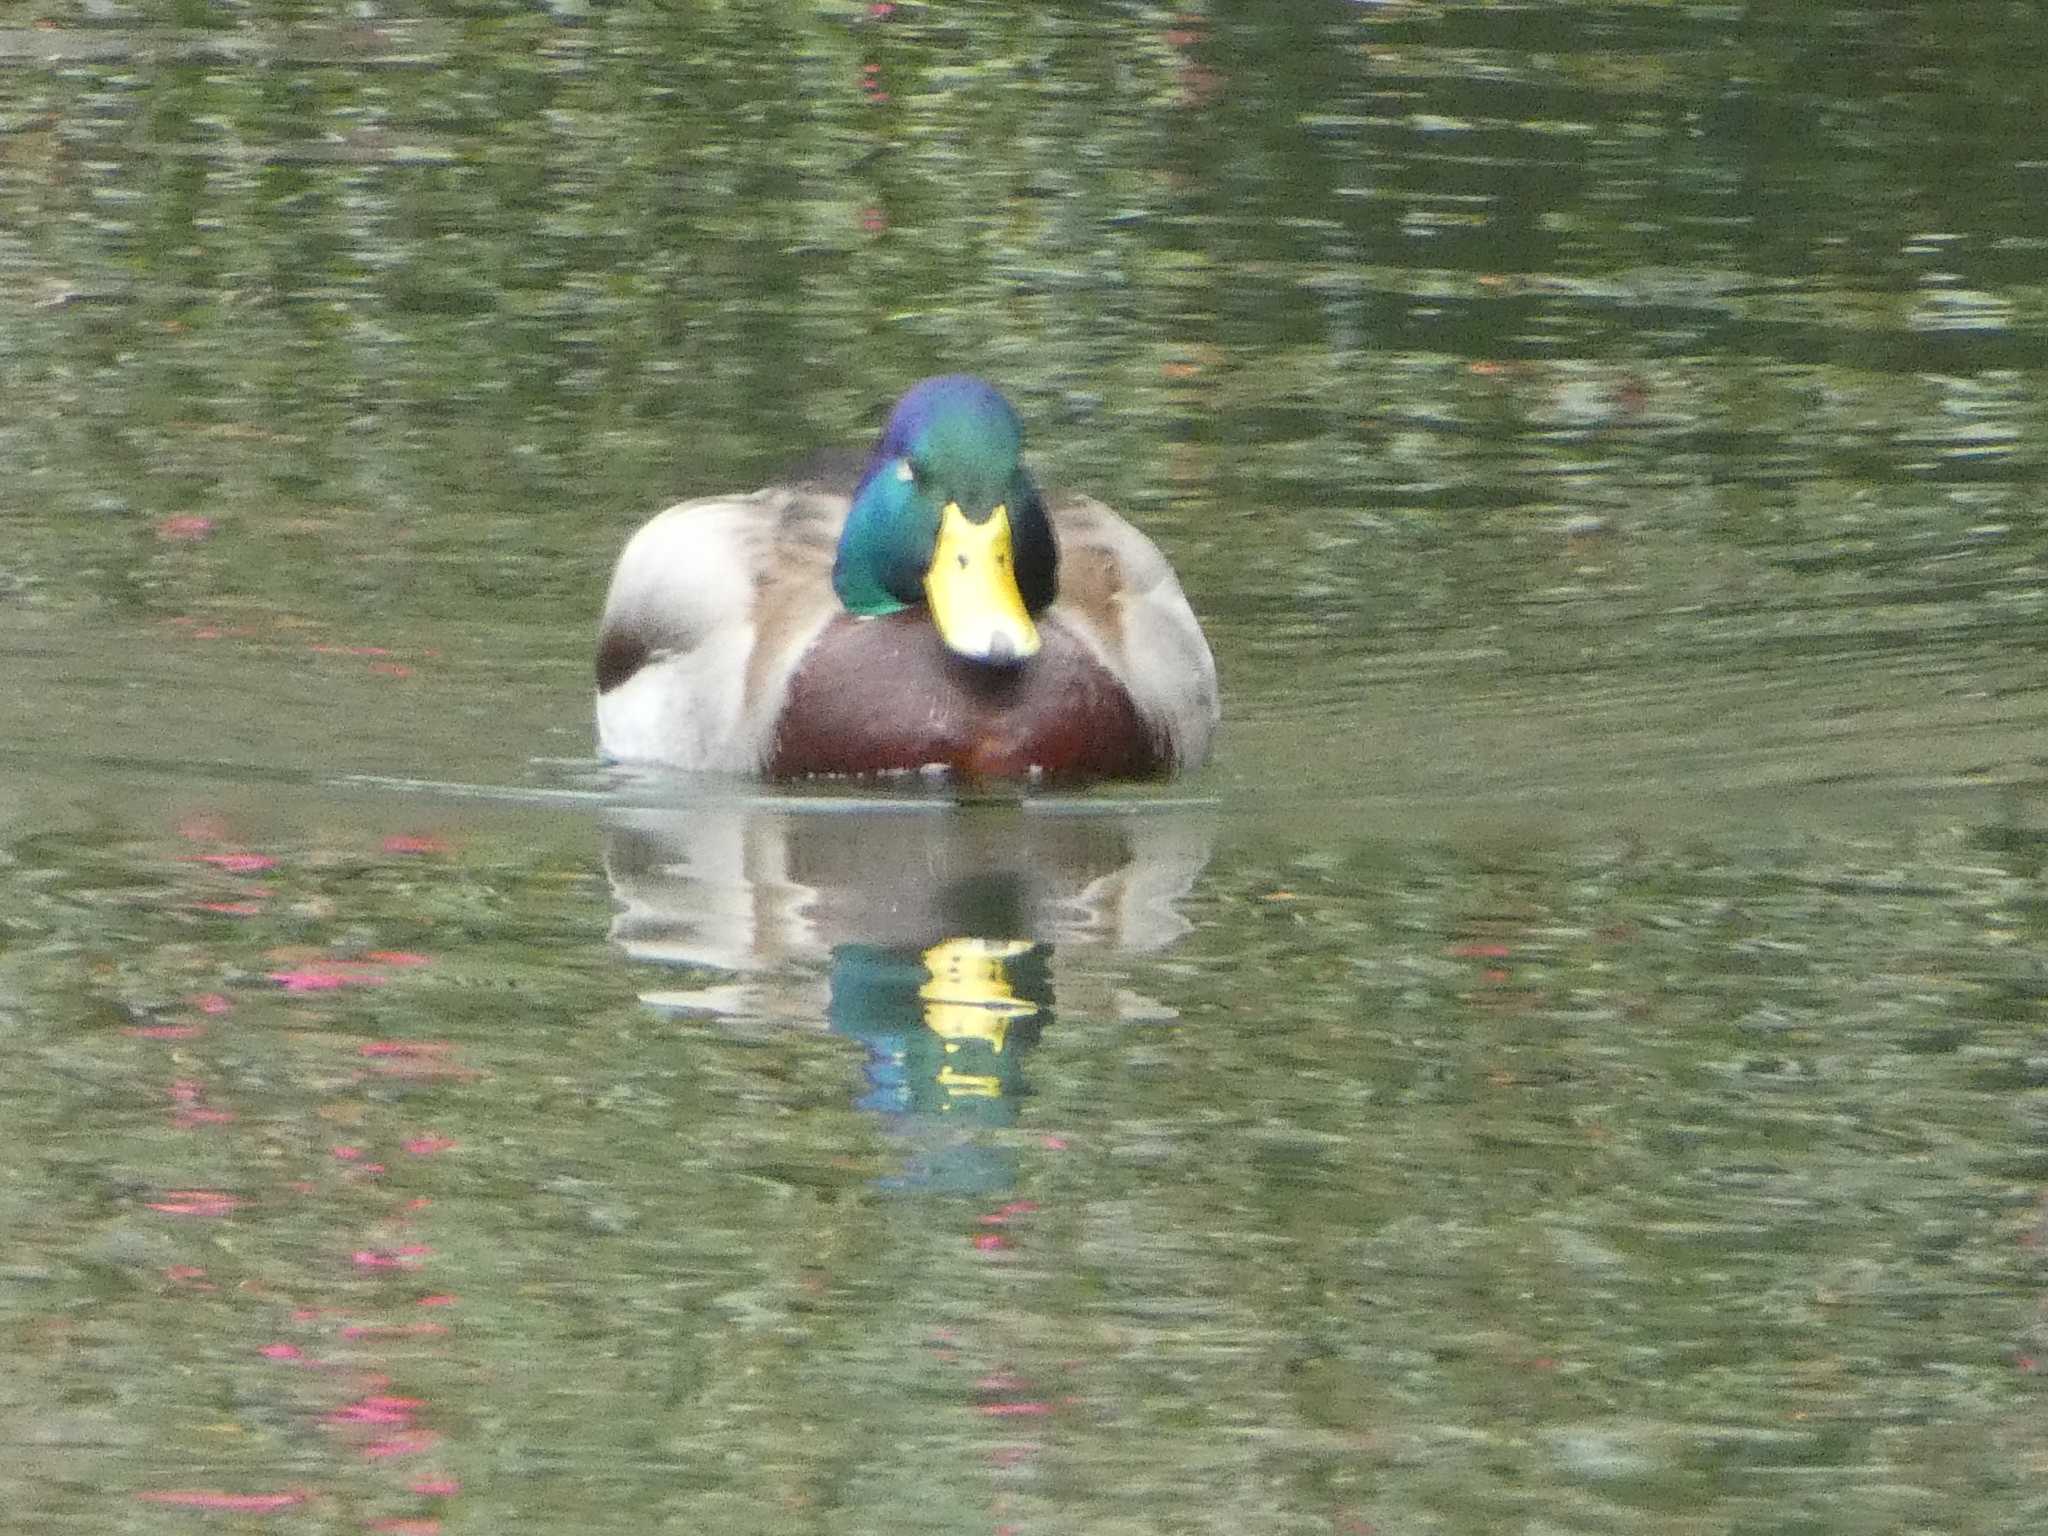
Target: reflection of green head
{"points": [[945, 516]]}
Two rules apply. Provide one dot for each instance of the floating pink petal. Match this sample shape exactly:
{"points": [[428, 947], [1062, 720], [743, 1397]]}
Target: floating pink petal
{"points": [[165, 1031], [184, 1273], [399, 957], [407, 1257], [195, 1202], [414, 1442], [212, 1002], [1014, 1410], [437, 1487], [185, 526], [237, 863], [190, 1097], [427, 1146], [409, 843], [325, 980], [419, 1065], [347, 1154], [378, 1410], [988, 1242], [238, 1503], [282, 1352], [997, 1217], [1053, 1143], [441, 1300]]}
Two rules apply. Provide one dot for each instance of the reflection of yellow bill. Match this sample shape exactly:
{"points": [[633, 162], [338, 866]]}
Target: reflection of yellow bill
{"points": [[968, 994], [976, 1085], [971, 589]]}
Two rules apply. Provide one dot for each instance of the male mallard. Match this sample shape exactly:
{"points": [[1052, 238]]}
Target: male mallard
{"points": [[944, 614]]}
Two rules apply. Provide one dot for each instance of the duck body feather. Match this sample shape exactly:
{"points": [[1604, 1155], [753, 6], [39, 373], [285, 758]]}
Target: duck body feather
{"points": [[723, 648]]}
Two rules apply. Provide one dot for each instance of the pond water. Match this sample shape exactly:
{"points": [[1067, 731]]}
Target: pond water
{"points": [[1572, 1063]]}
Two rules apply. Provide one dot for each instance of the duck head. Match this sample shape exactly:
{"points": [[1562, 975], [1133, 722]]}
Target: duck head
{"points": [[945, 516]]}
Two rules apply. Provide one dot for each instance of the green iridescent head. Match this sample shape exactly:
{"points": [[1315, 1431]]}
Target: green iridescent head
{"points": [[945, 516]]}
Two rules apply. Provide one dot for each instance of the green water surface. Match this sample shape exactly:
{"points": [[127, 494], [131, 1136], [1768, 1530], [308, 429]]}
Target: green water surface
{"points": [[1573, 1063]]}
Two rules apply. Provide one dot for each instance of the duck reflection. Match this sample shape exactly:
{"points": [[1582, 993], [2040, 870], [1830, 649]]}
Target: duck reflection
{"points": [[933, 934], [946, 1027]]}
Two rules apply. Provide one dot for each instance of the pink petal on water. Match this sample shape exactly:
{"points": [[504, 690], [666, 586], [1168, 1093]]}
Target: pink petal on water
{"points": [[186, 526], [407, 1257], [989, 1242], [442, 1300], [190, 1097], [211, 1002], [427, 1146], [997, 1217], [238, 1503], [282, 1352], [379, 1409], [1013, 1410], [325, 980], [165, 1031], [414, 1442], [237, 863], [437, 1487], [403, 842]]}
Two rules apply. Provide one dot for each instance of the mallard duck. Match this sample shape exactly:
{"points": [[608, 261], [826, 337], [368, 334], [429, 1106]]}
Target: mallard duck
{"points": [[943, 617]]}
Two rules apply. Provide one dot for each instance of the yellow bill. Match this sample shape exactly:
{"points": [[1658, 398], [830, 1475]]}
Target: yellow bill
{"points": [[971, 588]]}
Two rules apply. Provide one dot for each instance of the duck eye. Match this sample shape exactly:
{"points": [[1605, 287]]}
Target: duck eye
{"points": [[905, 470]]}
